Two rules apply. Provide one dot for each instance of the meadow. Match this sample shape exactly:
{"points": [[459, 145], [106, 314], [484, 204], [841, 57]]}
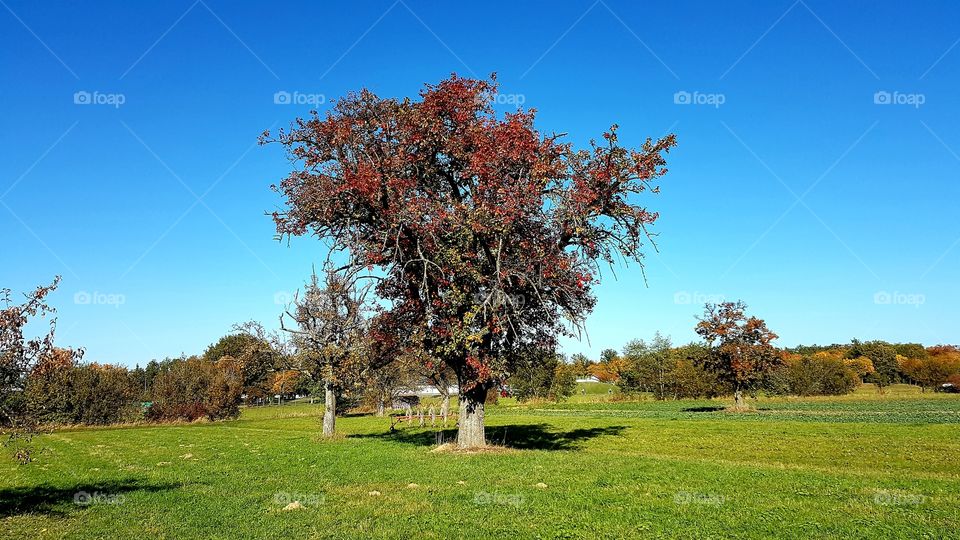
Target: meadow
{"points": [[859, 466]]}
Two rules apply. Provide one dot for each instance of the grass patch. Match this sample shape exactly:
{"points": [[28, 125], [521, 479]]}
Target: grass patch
{"points": [[859, 466]]}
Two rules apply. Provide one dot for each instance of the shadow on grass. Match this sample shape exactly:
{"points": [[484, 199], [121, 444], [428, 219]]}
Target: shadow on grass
{"points": [[58, 501], [519, 436], [708, 408]]}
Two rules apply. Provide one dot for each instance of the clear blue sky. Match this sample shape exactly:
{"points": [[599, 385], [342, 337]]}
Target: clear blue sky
{"points": [[831, 215]]}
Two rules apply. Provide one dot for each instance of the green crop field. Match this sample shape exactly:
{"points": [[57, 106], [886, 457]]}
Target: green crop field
{"points": [[859, 466]]}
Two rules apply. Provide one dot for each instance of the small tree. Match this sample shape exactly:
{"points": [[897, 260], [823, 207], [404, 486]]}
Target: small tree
{"points": [[581, 364], [742, 352], [254, 353], [328, 332], [542, 374], [222, 399], [18, 355], [648, 367]]}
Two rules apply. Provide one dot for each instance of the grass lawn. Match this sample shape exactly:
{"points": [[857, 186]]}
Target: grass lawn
{"points": [[859, 466]]}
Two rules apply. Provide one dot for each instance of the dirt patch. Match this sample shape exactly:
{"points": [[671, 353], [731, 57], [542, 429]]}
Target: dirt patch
{"points": [[452, 448]]}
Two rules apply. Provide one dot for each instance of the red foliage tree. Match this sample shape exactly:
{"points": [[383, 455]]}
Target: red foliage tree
{"points": [[485, 234], [742, 353]]}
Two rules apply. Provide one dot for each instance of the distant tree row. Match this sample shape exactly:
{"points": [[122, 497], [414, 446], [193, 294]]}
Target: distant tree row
{"points": [[737, 356]]}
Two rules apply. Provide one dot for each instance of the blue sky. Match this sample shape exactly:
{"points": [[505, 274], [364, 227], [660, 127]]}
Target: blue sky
{"points": [[815, 176]]}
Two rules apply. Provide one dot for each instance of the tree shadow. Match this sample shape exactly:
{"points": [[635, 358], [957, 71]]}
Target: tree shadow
{"points": [[707, 408], [58, 501], [518, 436]]}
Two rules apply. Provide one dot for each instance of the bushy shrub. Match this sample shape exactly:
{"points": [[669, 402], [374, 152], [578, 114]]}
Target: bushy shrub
{"points": [[192, 388], [818, 375], [60, 392]]}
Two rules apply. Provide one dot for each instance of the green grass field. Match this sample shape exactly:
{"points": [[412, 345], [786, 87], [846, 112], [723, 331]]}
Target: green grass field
{"points": [[859, 466]]}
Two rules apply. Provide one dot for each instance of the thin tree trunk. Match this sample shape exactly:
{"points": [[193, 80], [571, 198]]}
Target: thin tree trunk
{"points": [[738, 401], [381, 406], [471, 433], [329, 410], [445, 409]]}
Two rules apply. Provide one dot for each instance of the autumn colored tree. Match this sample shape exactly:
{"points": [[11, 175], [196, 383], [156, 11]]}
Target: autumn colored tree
{"points": [[581, 364], [607, 371], [222, 399], [485, 234], [933, 369], [742, 352], [253, 351], [883, 358], [329, 332], [284, 382], [19, 354]]}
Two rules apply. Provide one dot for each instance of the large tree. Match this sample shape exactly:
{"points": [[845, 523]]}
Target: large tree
{"points": [[742, 352], [486, 235]]}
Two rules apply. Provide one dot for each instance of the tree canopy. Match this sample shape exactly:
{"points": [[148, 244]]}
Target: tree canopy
{"points": [[485, 234]]}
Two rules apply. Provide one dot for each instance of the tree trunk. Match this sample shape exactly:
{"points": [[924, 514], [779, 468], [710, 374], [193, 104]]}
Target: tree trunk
{"points": [[329, 410], [739, 403], [471, 432], [381, 406], [445, 408]]}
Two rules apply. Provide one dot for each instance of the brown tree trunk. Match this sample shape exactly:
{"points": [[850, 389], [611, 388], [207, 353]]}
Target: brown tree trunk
{"points": [[329, 410], [471, 433]]}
